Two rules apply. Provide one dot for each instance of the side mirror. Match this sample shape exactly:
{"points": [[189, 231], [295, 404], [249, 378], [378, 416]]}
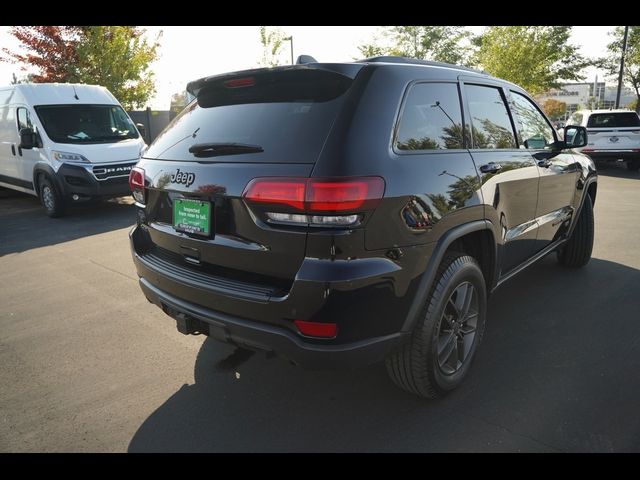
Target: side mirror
{"points": [[574, 136], [27, 138], [142, 129]]}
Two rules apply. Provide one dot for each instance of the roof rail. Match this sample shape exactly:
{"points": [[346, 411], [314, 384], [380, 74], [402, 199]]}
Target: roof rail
{"points": [[415, 61]]}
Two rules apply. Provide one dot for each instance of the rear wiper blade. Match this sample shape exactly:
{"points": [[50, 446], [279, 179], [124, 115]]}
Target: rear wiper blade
{"points": [[216, 149]]}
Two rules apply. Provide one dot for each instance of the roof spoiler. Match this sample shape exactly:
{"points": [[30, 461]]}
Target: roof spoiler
{"points": [[305, 62]]}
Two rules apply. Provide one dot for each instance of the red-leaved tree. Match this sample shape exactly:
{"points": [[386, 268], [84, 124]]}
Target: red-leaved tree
{"points": [[51, 49]]}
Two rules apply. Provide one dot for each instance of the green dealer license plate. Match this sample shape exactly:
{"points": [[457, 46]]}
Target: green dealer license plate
{"points": [[192, 216]]}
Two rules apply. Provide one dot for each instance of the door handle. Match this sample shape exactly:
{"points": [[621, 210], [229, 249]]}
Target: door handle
{"points": [[490, 167], [13, 150]]}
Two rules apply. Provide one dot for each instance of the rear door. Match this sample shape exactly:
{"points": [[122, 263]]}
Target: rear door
{"points": [[559, 171], [262, 123], [509, 175]]}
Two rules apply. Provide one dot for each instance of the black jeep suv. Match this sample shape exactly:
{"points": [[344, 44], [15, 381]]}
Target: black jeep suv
{"points": [[341, 214]]}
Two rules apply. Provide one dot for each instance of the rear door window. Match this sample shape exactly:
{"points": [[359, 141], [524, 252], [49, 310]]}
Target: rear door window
{"points": [[613, 120], [431, 118], [490, 120]]}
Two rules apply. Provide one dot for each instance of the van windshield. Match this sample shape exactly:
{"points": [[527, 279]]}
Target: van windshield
{"points": [[86, 123]]}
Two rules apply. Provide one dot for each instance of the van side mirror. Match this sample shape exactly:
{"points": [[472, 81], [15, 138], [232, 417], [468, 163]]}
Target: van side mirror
{"points": [[142, 129], [574, 136], [27, 138]]}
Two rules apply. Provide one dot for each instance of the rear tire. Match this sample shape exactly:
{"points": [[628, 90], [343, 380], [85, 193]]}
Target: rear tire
{"points": [[633, 166], [577, 251], [439, 353], [50, 198]]}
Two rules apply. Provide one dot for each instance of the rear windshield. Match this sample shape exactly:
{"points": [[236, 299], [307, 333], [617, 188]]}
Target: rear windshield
{"points": [[622, 119], [283, 118], [86, 123]]}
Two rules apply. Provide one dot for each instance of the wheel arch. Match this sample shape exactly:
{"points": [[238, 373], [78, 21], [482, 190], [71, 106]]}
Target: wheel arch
{"points": [[44, 169], [460, 235], [589, 188]]}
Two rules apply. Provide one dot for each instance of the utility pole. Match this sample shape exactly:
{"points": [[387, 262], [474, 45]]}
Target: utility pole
{"points": [[291, 40], [624, 50]]}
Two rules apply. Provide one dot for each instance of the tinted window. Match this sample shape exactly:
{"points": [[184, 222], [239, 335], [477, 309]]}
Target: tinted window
{"points": [[621, 119], [535, 132], [286, 115], [431, 118], [489, 118], [24, 119], [86, 123]]}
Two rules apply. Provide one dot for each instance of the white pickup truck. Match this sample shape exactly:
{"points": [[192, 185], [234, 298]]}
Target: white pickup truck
{"points": [[614, 135]]}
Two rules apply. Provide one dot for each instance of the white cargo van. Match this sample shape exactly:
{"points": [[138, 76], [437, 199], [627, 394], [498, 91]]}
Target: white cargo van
{"points": [[65, 143]]}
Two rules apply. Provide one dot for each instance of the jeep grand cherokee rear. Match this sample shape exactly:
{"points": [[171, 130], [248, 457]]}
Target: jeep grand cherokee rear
{"points": [[238, 239], [342, 214]]}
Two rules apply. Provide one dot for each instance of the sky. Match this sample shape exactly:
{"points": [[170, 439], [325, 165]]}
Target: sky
{"points": [[188, 53]]}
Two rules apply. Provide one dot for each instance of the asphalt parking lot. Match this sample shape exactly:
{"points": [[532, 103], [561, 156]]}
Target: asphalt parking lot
{"points": [[86, 364]]}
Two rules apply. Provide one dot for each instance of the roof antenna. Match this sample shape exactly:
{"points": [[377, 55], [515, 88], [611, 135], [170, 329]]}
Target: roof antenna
{"points": [[75, 94]]}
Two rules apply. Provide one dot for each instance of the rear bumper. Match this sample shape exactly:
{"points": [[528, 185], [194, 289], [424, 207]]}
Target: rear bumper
{"points": [[360, 297], [269, 338], [78, 180], [612, 155]]}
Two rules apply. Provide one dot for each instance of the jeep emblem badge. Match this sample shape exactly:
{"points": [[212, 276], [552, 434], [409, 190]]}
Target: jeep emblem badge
{"points": [[185, 178]]}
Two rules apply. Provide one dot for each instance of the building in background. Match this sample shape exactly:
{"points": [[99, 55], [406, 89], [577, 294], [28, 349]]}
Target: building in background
{"points": [[588, 95]]}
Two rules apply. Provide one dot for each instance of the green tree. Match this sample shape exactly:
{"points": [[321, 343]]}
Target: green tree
{"points": [[178, 102], [631, 60], [450, 44], [554, 108], [271, 40], [536, 58], [439, 43], [118, 57], [369, 50]]}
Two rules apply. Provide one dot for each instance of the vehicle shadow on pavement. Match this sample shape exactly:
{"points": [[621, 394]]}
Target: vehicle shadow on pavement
{"points": [[555, 372], [25, 225], [616, 169]]}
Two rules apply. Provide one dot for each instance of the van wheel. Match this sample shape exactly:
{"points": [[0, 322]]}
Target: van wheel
{"points": [[51, 199], [577, 251], [634, 165], [439, 353]]}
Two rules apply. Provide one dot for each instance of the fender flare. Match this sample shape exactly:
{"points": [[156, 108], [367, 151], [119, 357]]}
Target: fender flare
{"points": [[585, 189], [426, 282], [45, 168]]}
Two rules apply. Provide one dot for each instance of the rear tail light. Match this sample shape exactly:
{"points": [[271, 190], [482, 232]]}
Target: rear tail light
{"points": [[587, 150], [316, 329], [315, 201], [136, 184], [276, 191]]}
